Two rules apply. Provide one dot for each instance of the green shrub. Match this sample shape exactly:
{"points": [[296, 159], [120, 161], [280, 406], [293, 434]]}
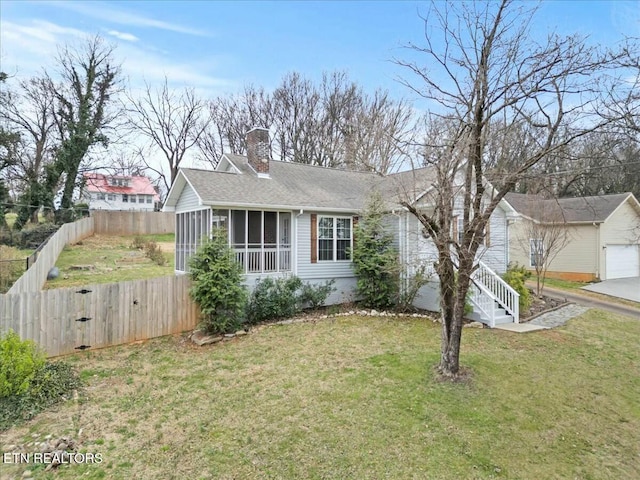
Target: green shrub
{"points": [[218, 286], [274, 298], [284, 297], [19, 362], [515, 276], [51, 383], [314, 296], [153, 251], [375, 260]]}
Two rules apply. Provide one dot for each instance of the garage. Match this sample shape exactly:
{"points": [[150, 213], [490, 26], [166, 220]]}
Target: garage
{"points": [[622, 261]]}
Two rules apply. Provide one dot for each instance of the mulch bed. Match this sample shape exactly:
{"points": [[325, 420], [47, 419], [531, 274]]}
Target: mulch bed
{"points": [[540, 305]]}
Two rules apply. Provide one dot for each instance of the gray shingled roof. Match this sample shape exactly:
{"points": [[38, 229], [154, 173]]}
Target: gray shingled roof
{"points": [[295, 185], [578, 210]]}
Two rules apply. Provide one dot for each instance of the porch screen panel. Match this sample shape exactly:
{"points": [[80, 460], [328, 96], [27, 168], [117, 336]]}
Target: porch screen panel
{"points": [[285, 241], [270, 241], [220, 219], [238, 236], [254, 241], [238, 239], [179, 243]]}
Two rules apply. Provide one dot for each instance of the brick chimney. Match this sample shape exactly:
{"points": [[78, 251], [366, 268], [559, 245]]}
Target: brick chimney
{"points": [[258, 150]]}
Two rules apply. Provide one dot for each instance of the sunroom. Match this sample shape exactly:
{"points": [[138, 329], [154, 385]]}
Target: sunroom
{"points": [[261, 239]]}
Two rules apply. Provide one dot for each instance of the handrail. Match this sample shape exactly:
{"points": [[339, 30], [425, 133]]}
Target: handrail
{"points": [[504, 294], [487, 294], [497, 277]]}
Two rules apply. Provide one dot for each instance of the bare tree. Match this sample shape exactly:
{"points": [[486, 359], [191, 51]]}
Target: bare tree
{"points": [[331, 124], [544, 233], [172, 122], [484, 68], [29, 111]]}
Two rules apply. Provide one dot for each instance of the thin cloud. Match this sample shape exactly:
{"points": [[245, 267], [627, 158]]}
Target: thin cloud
{"points": [[122, 17], [128, 37]]}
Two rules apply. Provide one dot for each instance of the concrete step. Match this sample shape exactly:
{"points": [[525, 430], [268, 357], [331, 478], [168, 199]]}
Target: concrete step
{"points": [[502, 319]]}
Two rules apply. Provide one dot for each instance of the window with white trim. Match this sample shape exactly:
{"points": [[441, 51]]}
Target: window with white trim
{"points": [[536, 251], [335, 239]]}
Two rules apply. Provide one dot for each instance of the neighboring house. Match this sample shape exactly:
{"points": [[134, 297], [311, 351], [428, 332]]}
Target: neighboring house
{"points": [[603, 231], [291, 218], [118, 192]]}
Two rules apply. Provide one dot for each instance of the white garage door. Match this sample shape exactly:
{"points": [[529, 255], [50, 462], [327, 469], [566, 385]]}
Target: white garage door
{"points": [[623, 261]]}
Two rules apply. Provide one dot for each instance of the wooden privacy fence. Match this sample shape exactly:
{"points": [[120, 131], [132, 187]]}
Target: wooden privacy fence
{"points": [[67, 320], [34, 278], [132, 223]]}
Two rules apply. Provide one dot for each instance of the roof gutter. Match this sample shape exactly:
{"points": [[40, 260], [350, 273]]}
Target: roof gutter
{"points": [[262, 206]]}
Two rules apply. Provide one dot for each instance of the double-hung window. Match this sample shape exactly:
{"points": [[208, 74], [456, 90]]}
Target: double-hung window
{"points": [[334, 238], [536, 252]]}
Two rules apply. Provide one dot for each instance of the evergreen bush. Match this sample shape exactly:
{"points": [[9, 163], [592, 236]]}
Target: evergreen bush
{"points": [[375, 260], [218, 285]]}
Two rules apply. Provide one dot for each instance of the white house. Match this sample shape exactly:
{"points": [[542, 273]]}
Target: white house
{"points": [[118, 192], [291, 218]]}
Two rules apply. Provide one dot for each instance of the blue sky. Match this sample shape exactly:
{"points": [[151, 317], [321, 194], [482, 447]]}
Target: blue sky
{"points": [[217, 47]]}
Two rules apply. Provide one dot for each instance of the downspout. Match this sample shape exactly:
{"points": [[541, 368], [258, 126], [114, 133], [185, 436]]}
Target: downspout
{"points": [[402, 251], [294, 228], [597, 227]]}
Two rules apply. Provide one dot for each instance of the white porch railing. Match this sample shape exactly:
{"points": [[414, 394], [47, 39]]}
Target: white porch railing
{"points": [[483, 302], [502, 292], [264, 259]]}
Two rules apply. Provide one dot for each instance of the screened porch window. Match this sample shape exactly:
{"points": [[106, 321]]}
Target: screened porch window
{"points": [[261, 240], [193, 229]]}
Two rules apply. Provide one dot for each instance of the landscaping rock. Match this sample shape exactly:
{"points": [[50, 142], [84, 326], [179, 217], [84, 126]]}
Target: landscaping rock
{"points": [[473, 325], [240, 333], [53, 273]]}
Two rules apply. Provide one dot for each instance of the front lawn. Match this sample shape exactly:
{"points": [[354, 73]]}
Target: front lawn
{"points": [[357, 398]]}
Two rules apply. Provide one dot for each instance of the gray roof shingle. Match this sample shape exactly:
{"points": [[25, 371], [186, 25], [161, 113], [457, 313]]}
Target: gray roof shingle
{"points": [[295, 185], [577, 210]]}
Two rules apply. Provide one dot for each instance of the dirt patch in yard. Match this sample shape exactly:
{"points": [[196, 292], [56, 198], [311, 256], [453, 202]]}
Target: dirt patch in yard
{"points": [[167, 247]]}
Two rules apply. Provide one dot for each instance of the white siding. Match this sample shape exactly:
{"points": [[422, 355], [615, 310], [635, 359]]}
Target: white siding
{"points": [[320, 270], [118, 204], [188, 200], [421, 249], [344, 287], [428, 297], [496, 255]]}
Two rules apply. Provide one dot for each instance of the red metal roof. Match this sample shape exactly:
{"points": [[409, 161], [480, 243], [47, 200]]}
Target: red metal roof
{"points": [[99, 183]]}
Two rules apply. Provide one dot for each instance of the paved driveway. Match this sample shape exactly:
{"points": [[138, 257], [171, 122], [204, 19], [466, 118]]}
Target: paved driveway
{"points": [[628, 288]]}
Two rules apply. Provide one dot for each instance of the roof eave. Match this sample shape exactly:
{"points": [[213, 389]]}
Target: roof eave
{"points": [[263, 206]]}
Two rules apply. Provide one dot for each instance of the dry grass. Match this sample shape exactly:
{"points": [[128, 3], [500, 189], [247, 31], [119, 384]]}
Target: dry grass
{"points": [[357, 398], [111, 260]]}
